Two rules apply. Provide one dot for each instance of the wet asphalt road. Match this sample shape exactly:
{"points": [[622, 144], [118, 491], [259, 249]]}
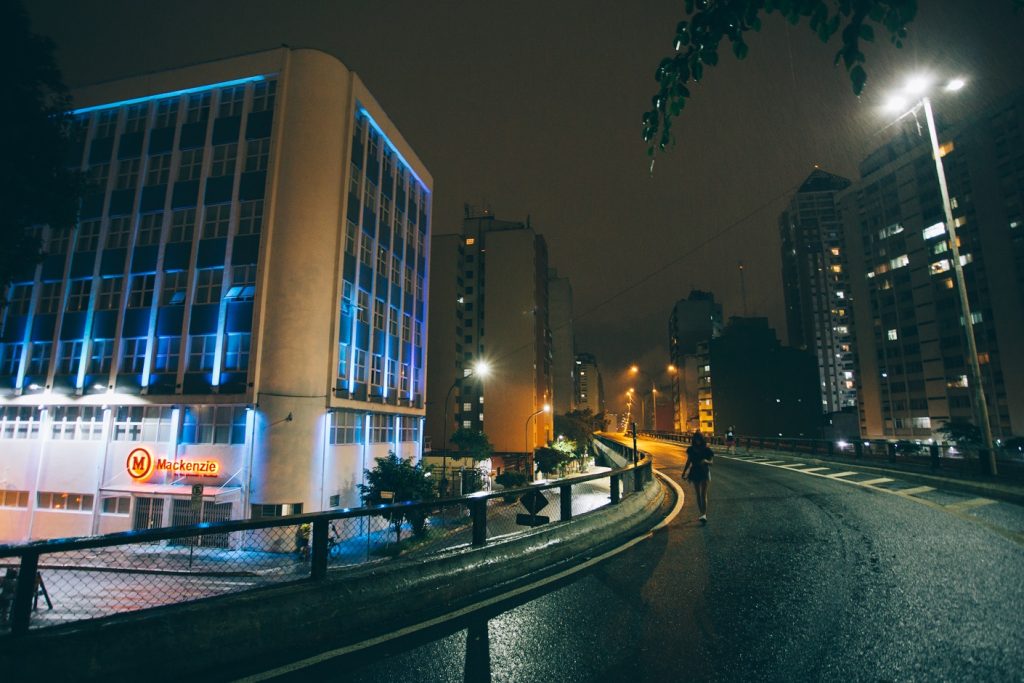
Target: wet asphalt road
{"points": [[796, 577]]}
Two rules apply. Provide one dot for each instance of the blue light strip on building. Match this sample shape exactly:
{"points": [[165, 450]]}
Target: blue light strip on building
{"points": [[173, 93], [391, 146]]}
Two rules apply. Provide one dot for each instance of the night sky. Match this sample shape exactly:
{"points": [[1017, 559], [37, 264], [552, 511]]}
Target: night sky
{"points": [[533, 109]]}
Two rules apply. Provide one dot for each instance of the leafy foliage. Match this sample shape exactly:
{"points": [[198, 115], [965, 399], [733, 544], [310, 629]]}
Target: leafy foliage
{"points": [[548, 459], [38, 188], [407, 482], [579, 426], [698, 41], [472, 442], [961, 433], [511, 480]]}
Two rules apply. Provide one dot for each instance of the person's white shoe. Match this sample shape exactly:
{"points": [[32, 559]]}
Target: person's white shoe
{"points": [[703, 519]]}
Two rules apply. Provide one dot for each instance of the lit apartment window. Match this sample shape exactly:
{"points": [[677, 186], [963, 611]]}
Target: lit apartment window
{"points": [[893, 335], [68, 502], [13, 499]]}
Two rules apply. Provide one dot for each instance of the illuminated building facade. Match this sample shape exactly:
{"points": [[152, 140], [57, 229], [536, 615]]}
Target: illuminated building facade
{"points": [[911, 346], [242, 304], [589, 387], [693, 322], [815, 283]]}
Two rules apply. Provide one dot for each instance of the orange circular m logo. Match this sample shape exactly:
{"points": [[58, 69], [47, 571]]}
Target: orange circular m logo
{"points": [[140, 463]]}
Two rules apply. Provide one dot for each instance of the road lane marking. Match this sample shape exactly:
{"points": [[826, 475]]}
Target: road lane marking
{"points": [[839, 475], [814, 469], [793, 465], [873, 482], [970, 504], [914, 491], [469, 609], [771, 462]]}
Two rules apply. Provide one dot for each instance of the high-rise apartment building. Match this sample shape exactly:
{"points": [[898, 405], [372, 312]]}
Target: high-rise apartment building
{"points": [[492, 305], [910, 330], [563, 343], [589, 387], [694, 320], [242, 304], [816, 286]]}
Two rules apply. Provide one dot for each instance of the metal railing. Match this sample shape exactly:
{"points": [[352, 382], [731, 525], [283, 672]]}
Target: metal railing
{"points": [[958, 460], [92, 577]]}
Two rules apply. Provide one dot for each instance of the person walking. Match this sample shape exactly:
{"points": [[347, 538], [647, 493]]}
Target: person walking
{"points": [[698, 471]]}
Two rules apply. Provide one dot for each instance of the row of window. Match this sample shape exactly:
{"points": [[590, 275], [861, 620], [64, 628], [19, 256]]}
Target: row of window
{"points": [[164, 113], [201, 355], [155, 424], [348, 427]]}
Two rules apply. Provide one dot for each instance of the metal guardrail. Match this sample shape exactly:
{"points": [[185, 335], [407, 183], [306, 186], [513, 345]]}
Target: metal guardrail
{"points": [[958, 460], [93, 577]]}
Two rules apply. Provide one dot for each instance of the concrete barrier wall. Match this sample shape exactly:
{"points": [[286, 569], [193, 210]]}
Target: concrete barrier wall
{"points": [[224, 637]]}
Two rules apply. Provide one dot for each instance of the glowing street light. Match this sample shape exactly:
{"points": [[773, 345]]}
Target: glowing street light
{"points": [[479, 369], [918, 86]]}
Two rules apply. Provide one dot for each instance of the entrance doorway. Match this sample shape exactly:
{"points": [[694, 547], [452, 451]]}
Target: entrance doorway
{"points": [[182, 514], [149, 513]]}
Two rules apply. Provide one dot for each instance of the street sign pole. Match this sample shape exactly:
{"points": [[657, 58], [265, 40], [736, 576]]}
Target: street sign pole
{"points": [[197, 515]]}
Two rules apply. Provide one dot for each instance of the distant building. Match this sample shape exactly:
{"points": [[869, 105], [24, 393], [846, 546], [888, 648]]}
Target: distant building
{"points": [[748, 380], [694, 320], [815, 281], [497, 310], [589, 386], [241, 305], [563, 352], [911, 346]]}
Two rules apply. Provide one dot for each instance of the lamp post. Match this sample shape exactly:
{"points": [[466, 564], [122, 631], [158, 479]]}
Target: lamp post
{"points": [[480, 369], [526, 436], [635, 370], [918, 87]]}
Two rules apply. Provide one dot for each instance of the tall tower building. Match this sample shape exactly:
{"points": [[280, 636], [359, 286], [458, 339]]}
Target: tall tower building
{"points": [[910, 331], [499, 314], [589, 387], [563, 353], [242, 303], [816, 286], [694, 320]]}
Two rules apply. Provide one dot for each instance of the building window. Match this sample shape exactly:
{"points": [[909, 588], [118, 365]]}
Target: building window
{"points": [[158, 171], [69, 502], [101, 355], [893, 335], [231, 100], [168, 350], [57, 242], [250, 217], [263, 94], [378, 314], [174, 288], [10, 358], [216, 221], [351, 237], [127, 174], [223, 163], [69, 355], [236, 354], [190, 166], [202, 349], [82, 423], [141, 293], [183, 224], [343, 350], [214, 424], [39, 357], [208, 284], [13, 499], [119, 233], [143, 423], [166, 113], [363, 313], [243, 283], [19, 422], [264, 511], [198, 107], [393, 321], [135, 118], [116, 505], [382, 428], [346, 427], [133, 356], [21, 298], [257, 153], [375, 370], [106, 123], [150, 226], [382, 262], [88, 236], [359, 365]]}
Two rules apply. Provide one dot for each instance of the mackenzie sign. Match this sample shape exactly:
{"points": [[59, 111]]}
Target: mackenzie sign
{"points": [[141, 464]]}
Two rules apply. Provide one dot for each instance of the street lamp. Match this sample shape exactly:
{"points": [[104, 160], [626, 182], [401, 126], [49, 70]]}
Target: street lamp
{"points": [[526, 437], [919, 86], [480, 369], [635, 370]]}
